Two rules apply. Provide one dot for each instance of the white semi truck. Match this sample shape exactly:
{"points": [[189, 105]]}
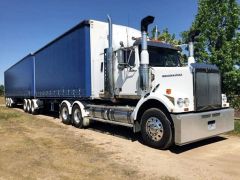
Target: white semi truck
{"points": [[115, 74]]}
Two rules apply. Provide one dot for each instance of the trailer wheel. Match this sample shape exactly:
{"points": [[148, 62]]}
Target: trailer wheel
{"points": [[29, 105], [25, 105], [10, 104], [6, 102], [33, 109], [156, 129], [77, 119], [64, 114]]}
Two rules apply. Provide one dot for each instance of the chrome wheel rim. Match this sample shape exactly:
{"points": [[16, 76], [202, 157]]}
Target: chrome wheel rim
{"points": [[65, 113], [77, 116], [154, 128]]}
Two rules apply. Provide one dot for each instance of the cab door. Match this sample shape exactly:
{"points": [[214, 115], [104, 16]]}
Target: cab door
{"points": [[126, 73]]}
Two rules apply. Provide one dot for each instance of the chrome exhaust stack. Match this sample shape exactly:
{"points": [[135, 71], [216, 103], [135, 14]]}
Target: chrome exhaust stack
{"points": [[108, 65], [144, 68]]}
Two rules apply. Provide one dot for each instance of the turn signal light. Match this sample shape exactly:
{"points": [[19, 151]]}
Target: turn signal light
{"points": [[168, 91]]}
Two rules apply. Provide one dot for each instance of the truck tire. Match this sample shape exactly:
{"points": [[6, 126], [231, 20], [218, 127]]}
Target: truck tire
{"points": [[64, 114], [10, 104], [77, 118], [156, 129], [29, 105], [25, 105], [34, 111], [6, 102]]}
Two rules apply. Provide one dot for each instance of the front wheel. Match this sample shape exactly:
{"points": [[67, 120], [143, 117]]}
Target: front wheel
{"points": [[156, 129]]}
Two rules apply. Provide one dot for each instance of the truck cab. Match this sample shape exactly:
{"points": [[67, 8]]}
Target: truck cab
{"points": [[188, 97]]}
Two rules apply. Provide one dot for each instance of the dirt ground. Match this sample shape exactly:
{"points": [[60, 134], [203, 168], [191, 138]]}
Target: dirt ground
{"points": [[42, 147], [2, 100], [34, 148]]}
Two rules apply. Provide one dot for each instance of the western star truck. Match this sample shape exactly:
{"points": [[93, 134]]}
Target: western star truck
{"points": [[100, 71]]}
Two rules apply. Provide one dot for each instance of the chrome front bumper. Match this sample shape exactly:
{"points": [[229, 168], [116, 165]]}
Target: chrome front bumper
{"points": [[196, 126]]}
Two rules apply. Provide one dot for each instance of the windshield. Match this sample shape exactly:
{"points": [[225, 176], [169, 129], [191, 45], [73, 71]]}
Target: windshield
{"points": [[162, 57]]}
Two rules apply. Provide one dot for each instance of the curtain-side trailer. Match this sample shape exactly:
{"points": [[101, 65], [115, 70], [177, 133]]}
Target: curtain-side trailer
{"points": [[115, 74], [19, 81]]}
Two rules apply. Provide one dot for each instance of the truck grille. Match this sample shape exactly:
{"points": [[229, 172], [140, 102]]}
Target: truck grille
{"points": [[207, 87]]}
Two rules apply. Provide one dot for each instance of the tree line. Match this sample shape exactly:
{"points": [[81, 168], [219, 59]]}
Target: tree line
{"points": [[1, 90]]}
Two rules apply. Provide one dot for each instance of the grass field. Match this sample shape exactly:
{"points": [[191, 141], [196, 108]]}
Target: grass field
{"points": [[236, 128], [32, 148]]}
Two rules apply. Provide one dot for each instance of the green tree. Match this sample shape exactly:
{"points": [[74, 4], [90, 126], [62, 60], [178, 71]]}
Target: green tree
{"points": [[219, 39], [1, 90], [165, 36]]}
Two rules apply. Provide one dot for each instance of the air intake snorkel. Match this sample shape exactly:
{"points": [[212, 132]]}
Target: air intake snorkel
{"points": [[144, 68], [191, 37]]}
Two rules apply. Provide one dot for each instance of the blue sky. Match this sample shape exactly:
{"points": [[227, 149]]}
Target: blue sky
{"points": [[27, 25]]}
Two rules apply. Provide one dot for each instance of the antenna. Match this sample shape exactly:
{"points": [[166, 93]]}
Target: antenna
{"points": [[127, 31], [156, 33]]}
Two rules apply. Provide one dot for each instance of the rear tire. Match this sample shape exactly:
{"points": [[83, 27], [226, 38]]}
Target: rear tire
{"points": [[29, 105], [6, 102], [64, 114], [156, 129], [10, 103], [25, 105], [77, 118], [34, 111]]}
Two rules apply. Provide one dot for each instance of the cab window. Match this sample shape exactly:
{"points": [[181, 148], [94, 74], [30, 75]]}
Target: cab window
{"points": [[163, 57]]}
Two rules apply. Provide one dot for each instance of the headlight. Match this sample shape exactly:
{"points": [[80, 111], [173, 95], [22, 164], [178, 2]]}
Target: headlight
{"points": [[186, 102], [224, 98], [180, 102]]}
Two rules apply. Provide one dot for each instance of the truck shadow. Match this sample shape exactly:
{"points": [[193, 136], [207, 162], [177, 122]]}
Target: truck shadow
{"points": [[118, 131], [127, 133], [181, 149], [111, 129]]}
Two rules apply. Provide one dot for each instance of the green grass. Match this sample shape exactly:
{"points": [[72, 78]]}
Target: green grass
{"points": [[237, 127], [236, 130]]}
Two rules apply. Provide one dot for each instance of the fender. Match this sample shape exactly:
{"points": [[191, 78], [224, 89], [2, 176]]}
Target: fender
{"points": [[37, 103], [153, 96], [83, 111], [68, 105]]}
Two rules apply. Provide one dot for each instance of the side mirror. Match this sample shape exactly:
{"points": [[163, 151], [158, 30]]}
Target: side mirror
{"points": [[126, 58]]}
